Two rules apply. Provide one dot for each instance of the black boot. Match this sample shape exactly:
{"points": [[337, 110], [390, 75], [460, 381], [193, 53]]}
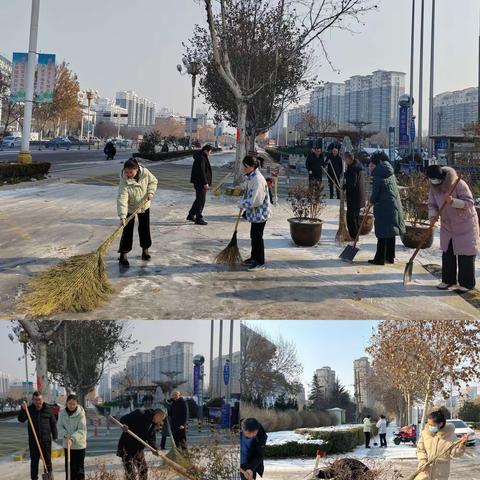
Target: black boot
{"points": [[122, 260], [145, 254]]}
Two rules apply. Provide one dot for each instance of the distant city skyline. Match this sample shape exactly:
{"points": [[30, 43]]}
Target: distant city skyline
{"points": [[117, 45]]}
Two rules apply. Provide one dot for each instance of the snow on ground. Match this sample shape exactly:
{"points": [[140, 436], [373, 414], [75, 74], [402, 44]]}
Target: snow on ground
{"points": [[46, 222], [216, 159], [280, 438], [334, 428]]}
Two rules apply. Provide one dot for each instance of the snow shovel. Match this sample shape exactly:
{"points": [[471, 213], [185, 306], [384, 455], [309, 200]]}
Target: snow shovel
{"points": [[46, 475], [434, 459], [407, 274], [170, 463], [350, 251]]}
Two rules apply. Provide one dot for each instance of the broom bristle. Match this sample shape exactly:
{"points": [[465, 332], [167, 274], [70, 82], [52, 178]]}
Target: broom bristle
{"points": [[230, 255], [176, 456], [77, 284]]}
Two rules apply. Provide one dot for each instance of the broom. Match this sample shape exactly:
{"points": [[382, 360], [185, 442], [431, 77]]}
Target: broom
{"points": [[230, 255], [170, 463], [78, 284]]}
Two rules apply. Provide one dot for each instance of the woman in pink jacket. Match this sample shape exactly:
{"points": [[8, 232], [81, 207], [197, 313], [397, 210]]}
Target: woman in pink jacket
{"points": [[459, 232]]}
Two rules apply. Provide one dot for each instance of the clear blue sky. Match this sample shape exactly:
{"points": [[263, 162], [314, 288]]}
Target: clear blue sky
{"points": [[148, 333], [320, 343], [121, 45]]}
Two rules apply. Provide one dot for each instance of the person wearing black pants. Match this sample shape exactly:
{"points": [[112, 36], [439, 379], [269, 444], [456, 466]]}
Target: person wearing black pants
{"points": [[367, 430], [315, 164], [355, 189], [45, 426], [335, 170], [77, 462], [135, 192], [178, 419], [201, 177], [466, 268], [257, 206]]}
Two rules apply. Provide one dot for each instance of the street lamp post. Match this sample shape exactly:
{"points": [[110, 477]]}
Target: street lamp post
{"points": [[432, 71], [191, 68], [90, 95], [412, 54], [25, 156], [420, 85]]}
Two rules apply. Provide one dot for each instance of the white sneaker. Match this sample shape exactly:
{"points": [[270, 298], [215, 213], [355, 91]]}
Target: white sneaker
{"points": [[460, 289], [444, 286]]}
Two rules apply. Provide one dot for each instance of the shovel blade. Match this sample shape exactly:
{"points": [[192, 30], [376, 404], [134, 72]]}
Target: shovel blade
{"points": [[47, 476], [349, 253], [407, 274]]}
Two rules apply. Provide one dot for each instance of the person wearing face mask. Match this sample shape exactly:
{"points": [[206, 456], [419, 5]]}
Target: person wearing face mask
{"points": [[256, 204], [436, 438], [387, 208], [459, 231]]}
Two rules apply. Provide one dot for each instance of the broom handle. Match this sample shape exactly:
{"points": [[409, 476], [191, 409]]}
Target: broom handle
{"points": [[175, 466], [238, 219], [364, 219], [68, 458], [434, 221], [329, 177], [106, 244], [36, 440], [434, 459]]}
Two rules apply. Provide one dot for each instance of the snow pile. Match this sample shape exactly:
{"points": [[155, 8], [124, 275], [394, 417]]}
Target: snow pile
{"points": [[281, 438], [333, 428]]}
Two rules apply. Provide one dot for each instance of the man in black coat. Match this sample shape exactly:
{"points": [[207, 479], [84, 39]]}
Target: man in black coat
{"points": [[253, 440], [335, 170], [315, 164], [355, 189], [144, 423], [201, 178], [178, 419], [45, 426]]}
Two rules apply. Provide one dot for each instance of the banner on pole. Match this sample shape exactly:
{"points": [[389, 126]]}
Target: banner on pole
{"points": [[226, 372], [46, 75], [19, 71], [403, 138]]}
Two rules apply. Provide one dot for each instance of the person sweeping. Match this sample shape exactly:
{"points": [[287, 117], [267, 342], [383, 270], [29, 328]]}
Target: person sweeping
{"points": [[43, 421], [136, 184], [354, 187], [438, 436], [144, 424], [258, 209], [459, 231], [387, 208], [72, 429]]}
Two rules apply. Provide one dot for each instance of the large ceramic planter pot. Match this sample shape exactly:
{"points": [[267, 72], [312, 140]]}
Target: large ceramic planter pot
{"points": [[368, 225], [305, 232], [414, 235]]}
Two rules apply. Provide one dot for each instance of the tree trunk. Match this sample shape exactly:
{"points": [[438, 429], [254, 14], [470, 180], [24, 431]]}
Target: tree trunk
{"points": [[428, 395], [251, 140], [409, 408], [81, 397], [241, 145], [41, 367]]}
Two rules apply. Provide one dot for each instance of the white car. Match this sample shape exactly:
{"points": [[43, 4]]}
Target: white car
{"points": [[10, 142], [461, 429]]}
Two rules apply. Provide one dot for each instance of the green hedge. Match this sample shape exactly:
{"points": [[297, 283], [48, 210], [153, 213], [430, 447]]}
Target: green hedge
{"points": [[339, 441], [15, 172], [159, 156]]}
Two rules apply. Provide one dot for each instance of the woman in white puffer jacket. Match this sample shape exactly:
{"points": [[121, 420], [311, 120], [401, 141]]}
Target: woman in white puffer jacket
{"points": [[258, 210]]}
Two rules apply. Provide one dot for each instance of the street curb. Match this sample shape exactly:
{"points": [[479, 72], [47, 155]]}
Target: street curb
{"points": [[28, 184], [24, 455]]}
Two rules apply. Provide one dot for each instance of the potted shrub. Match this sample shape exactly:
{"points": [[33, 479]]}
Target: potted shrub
{"points": [[368, 225], [307, 203], [415, 207]]}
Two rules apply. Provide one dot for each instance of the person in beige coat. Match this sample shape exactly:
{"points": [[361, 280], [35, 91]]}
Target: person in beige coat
{"points": [[137, 183], [435, 439]]}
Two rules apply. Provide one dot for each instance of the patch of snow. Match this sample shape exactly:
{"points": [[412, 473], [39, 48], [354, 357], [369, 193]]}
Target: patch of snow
{"points": [[281, 438]]}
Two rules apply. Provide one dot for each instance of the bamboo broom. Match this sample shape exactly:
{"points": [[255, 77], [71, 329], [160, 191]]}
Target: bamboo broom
{"points": [[77, 284]]}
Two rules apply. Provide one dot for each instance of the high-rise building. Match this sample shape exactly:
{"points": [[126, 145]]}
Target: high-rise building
{"points": [[234, 375], [453, 111], [326, 380], [4, 384], [141, 112], [107, 111], [362, 370]]}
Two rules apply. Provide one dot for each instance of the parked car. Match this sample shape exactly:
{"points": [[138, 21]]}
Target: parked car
{"points": [[11, 142], [59, 142], [74, 140], [461, 429]]}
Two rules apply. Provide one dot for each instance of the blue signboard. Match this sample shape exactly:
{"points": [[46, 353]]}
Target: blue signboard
{"points": [[225, 418], [441, 143], [196, 379], [226, 372], [412, 129], [403, 137]]}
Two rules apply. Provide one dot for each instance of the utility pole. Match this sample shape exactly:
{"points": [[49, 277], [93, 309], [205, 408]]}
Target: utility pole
{"points": [[230, 361], [25, 156], [412, 54], [420, 87], [212, 331], [219, 371], [431, 145]]}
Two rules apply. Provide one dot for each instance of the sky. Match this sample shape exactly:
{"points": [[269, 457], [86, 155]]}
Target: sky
{"points": [[149, 334], [123, 45], [323, 343]]}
